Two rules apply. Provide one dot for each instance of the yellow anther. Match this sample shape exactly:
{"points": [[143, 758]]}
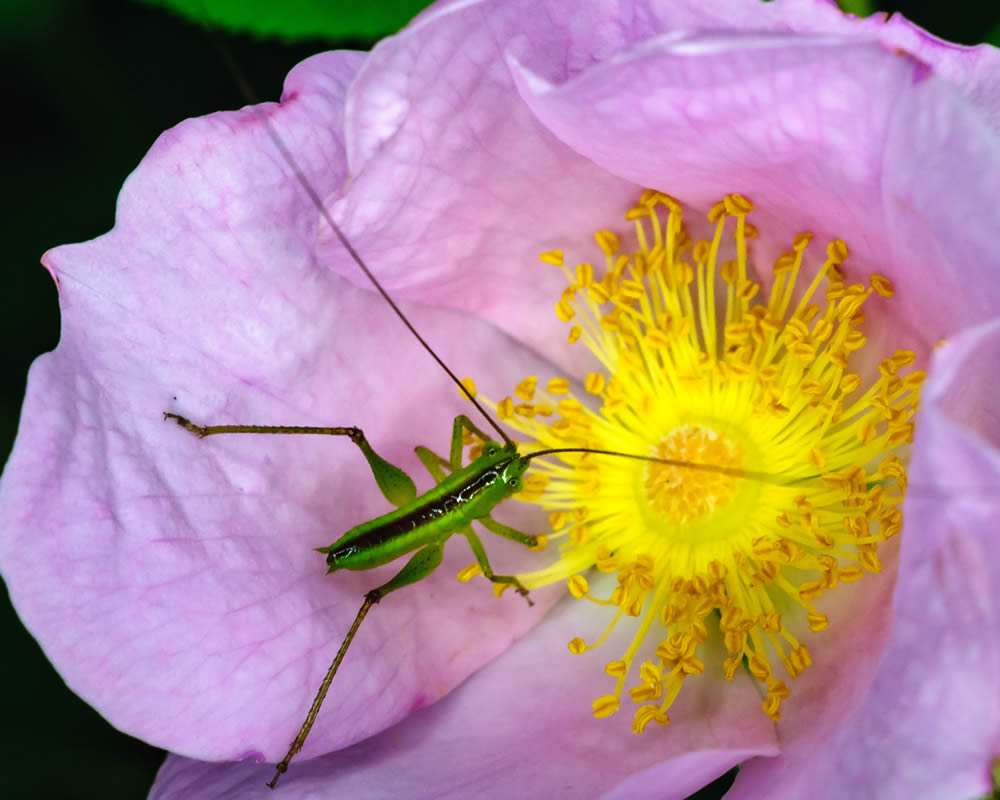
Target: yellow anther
{"points": [[541, 542], [772, 707], [569, 407], [605, 706], [526, 410], [716, 212], [470, 385], [594, 383], [608, 242], [636, 212], [870, 562], [801, 241], [669, 201], [648, 714], [564, 311], [536, 482], [817, 622], [914, 379], [901, 435], [837, 251], [466, 574], [759, 668], [783, 263], [616, 669], [553, 257], [849, 382], [578, 586], [557, 519], [505, 408], [632, 290], [557, 386], [574, 334], [903, 358], [526, 388], [584, 274], [577, 646], [729, 272], [737, 205], [810, 590], [867, 433], [882, 285], [598, 292]]}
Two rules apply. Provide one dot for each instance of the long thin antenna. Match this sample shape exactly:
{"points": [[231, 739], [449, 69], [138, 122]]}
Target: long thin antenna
{"points": [[251, 98], [735, 472]]}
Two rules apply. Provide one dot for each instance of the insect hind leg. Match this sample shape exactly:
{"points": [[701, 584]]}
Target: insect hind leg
{"points": [[397, 487], [420, 565]]}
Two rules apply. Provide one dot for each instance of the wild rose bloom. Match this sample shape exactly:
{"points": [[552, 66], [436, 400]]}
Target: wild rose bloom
{"points": [[172, 581]]}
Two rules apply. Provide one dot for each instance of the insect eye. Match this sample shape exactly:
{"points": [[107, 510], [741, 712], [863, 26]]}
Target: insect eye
{"points": [[491, 451], [513, 483]]}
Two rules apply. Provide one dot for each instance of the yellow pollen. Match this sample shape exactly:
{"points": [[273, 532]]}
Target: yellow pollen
{"points": [[778, 484], [683, 495]]}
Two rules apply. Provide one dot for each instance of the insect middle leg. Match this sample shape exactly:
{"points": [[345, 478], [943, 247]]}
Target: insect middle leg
{"points": [[484, 564], [437, 464]]}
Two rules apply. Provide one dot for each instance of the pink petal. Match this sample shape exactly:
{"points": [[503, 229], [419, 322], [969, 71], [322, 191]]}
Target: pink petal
{"points": [[821, 133], [469, 141], [930, 725], [172, 581], [521, 727], [974, 70]]}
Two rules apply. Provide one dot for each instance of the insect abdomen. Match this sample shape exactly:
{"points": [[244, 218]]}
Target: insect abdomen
{"points": [[433, 516]]}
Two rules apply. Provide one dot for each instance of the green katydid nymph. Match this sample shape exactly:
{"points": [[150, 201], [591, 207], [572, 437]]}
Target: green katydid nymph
{"points": [[422, 524]]}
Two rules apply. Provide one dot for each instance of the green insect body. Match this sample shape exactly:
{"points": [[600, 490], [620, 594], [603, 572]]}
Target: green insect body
{"points": [[467, 495], [462, 495]]}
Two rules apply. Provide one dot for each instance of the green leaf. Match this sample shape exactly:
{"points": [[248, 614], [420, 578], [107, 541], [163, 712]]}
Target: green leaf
{"points": [[298, 19], [993, 37], [863, 8]]}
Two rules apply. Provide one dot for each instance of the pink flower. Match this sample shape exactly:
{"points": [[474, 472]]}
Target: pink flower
{"points": [[172, 581]]}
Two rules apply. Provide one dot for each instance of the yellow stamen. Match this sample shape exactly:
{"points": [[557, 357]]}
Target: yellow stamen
{"points": [[701, 365]]}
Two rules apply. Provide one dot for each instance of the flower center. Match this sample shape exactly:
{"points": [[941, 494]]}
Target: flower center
{"points": [[782, 483], [683, 496]]}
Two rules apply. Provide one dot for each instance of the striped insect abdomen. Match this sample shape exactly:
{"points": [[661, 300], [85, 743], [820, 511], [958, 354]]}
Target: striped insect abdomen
{"points": [[460, 498]]}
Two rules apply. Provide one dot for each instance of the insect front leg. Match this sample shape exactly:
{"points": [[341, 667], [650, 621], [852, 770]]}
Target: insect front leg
{"points": [[509, 533], [484, 564], [397, 487], [462, 423]]}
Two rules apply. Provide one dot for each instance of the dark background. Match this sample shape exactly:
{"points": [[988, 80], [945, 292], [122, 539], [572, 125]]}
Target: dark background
{"points": [[89, 86]]}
